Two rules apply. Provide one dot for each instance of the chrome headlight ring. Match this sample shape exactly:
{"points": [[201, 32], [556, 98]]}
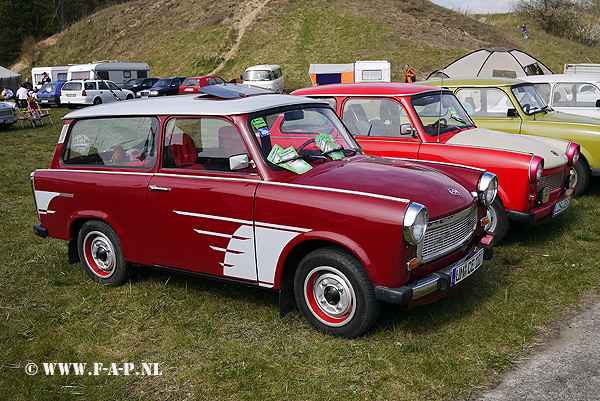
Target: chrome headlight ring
{"points": [[414, 223], [487, 188]]}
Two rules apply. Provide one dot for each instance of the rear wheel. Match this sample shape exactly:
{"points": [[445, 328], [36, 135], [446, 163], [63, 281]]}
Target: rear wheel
{"points": [[97, 101], [582, 176], [334, 293], [101, 254], [498, 220]]}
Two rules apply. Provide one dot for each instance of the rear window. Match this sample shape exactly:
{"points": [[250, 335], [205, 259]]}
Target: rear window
{"points": [[112, 142], [191, 81], [72, 86]]}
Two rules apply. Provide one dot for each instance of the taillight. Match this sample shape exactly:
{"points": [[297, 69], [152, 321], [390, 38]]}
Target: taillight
{"points": [[83, 93]]}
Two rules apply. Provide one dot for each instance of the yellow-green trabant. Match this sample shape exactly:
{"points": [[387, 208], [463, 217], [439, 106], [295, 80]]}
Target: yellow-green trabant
{"points": [[513, 105]]}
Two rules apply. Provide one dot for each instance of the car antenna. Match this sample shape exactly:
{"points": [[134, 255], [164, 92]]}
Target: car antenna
{"points": [[109, 89], [441, 89]]}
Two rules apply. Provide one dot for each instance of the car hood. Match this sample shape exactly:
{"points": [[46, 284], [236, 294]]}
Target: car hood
{"points": [[552, 150], [560, 117], [399, 179]]}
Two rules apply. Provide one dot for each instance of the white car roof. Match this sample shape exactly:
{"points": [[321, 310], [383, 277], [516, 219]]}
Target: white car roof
{"points": [[263, 67], [592, 78], [181, 105]]}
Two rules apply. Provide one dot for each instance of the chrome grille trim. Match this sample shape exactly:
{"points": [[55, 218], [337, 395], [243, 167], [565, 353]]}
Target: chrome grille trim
{"points": [[447, 234], [6, 113], [552, 181]]}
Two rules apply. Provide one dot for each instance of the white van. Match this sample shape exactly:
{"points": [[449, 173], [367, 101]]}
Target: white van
{"points": [[112, 70], [58, 73], [266, 76], [569, 93]]}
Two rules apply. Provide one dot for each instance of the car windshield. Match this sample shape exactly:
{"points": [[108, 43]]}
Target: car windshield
{"points": [[439, 117], [48, 87], [258, 75], [132, 82], [292, 139], [162, 82], [528, 98]]}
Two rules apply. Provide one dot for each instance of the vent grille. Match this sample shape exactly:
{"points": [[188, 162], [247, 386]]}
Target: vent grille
{"points": [[445, 235], [552, 181]]}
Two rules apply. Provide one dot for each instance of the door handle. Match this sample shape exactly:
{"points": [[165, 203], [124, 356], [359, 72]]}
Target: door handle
{"points": [[155, 188]]}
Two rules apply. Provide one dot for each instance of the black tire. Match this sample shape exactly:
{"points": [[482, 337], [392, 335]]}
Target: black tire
{"points": [[129, 97], [334, 292], [498, 220], [101, 254], [582, 176], [97, 101]]}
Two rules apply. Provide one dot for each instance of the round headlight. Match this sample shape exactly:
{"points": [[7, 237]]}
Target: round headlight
{"points": [[415, 222], [573, 152], [536, 168], [487, 188]]}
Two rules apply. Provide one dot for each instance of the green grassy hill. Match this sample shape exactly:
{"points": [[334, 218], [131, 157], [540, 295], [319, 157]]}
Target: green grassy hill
{"points": [[195, 37]]}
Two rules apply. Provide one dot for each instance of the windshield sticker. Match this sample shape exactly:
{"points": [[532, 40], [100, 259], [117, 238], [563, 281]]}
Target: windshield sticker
{"points": [[288, 159], [81, 143], [329, 146], [264, 131], [259, 123], [455, 116]]}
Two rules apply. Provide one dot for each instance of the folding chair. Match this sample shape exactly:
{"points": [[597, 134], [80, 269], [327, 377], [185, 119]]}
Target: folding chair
{"points": [[38, 114], [23, 115]]}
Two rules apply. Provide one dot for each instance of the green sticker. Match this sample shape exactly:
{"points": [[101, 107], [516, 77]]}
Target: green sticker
{"points": [[259, 123], [288, 159], [328, 146]]}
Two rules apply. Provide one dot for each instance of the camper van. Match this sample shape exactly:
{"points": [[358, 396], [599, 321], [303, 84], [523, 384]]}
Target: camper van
{"points": [[265, 76], [58, 73], [113, 70]]}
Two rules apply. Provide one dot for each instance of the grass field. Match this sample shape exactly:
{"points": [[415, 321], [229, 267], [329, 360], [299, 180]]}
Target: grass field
{"points": [[219, 341]]}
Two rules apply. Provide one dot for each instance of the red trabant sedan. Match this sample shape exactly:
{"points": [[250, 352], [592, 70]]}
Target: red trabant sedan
{"points": [[413, 121], [262, 189], [193, 84]]}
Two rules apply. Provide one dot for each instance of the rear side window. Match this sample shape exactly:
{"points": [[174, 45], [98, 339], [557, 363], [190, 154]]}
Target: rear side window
{"points": [[112, 142]]}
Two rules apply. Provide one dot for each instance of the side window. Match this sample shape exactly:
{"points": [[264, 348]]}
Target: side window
{"points": [[211, 81], [126, 74], [102, 85], [330, 100], [484, 102], [61, 76], [576, 94], [544, 91], [102, 74], [374, 117], [90, 86], [113, 86], [142, 74], [118, 142], [220, 80], [201, 144]]}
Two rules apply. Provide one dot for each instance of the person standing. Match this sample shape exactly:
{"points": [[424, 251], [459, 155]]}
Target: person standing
{"points": [[409, 74], [22, 94], [524, 28], [28, 84], [46, 78]]}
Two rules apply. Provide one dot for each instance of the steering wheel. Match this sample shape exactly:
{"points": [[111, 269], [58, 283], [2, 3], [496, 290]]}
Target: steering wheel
{"points": [[441, 122]]}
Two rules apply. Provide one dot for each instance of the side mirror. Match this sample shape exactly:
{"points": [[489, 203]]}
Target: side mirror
{"points": [[406, 129], [239, 162], [598, 103], [511, 113]]}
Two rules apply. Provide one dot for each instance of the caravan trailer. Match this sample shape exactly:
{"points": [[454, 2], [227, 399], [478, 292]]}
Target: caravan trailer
{"points": [[112, 70], [360, 71], [58, 73]]}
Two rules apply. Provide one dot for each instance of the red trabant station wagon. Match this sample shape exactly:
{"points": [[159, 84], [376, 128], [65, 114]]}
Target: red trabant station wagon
{"points": [[412, 121], [262, 189]]}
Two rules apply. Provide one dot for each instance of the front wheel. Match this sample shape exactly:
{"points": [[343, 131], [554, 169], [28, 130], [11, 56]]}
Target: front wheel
{"points": [[498, 220], [101, 254], [582, 177], [334, 293], [129, 97]]}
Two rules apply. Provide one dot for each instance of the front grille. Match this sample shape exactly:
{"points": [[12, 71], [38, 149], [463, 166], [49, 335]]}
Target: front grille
{"points": [[552, 181], [447, 234], [6, 112]]}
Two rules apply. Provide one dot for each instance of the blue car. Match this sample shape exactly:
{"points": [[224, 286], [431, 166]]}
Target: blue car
{"points": [[164, 87], [49, 93]]}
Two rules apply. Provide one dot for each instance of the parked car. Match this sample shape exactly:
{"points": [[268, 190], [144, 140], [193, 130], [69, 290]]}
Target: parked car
{"points": [[7, 115], [50, 92], [266, 76], [92, 91], [193, 84], [163, 87], [138, 84], [397, 120], [512, 105], [218, 187], [570, 93]]}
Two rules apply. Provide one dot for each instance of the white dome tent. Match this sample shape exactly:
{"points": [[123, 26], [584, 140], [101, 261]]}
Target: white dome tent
{"points": [[493, 62]]}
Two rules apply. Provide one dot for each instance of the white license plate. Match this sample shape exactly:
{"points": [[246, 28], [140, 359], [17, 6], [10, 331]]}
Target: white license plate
{"points": [[561, 206], [465, 269], [188, 89], [70, 95], [44, 100]]}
